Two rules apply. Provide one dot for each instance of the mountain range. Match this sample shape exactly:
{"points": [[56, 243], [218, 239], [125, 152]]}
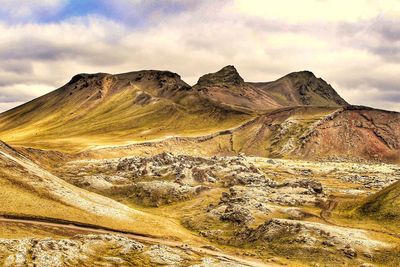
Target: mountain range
{"points": [[296, 116]]}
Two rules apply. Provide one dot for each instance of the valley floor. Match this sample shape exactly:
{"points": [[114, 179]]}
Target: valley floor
{"points": [[206, 211]]}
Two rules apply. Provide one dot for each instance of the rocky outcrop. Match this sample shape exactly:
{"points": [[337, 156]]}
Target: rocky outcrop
{"points": [[78, 250], [163, 178], [350, 242], [306, 84], [245, 202], [226, 76], [354, 133], [101, 250], [237, 214], [156, 193], [166, 84]]}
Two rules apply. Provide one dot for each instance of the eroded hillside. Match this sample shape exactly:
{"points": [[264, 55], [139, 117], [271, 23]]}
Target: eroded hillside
{"points": [[317, 133]]}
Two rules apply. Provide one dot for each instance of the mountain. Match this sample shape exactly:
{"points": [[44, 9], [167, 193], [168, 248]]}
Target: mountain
{"points": [[298, 115], [295, 89], [355, 132], [108, 109], [302, 89]]}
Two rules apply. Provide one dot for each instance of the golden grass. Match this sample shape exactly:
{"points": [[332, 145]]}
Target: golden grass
{"points": [[19, 230], [61, 124], [14, 199]]}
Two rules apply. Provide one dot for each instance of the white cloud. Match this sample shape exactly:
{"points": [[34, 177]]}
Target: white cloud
{"points": [[316, 10], [29, 9], [4, 106], [369, 96], [19, 92]]}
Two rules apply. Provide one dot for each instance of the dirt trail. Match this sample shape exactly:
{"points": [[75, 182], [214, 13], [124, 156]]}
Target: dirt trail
{"points": [[329, 206], [80, 227]]}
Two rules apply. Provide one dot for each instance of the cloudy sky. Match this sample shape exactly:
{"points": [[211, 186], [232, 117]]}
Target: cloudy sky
{"points": [[354, 45]]}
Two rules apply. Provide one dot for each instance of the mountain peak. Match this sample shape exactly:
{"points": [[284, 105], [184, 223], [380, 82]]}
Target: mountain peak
{"points": [[149, 75], [229, 68], [305, 83], [227, 75], [85, 76], [305, 74]]}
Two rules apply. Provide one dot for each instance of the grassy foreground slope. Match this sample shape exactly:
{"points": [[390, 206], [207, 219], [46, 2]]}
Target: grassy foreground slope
{"points": [[384, 205], [27, 189]]}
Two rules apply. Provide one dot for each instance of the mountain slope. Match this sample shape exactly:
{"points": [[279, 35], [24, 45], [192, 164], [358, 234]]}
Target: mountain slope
{"points": [[23, 175], [347, 133], [301, 89], [102, 108], [355, 132]]}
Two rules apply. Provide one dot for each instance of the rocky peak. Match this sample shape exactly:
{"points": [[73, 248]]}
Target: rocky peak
{"points": [[149, 75], [306, 82], [227, 75], [305, 74], [93, 86], [164, 79], [163, 83], [85, 77]]}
